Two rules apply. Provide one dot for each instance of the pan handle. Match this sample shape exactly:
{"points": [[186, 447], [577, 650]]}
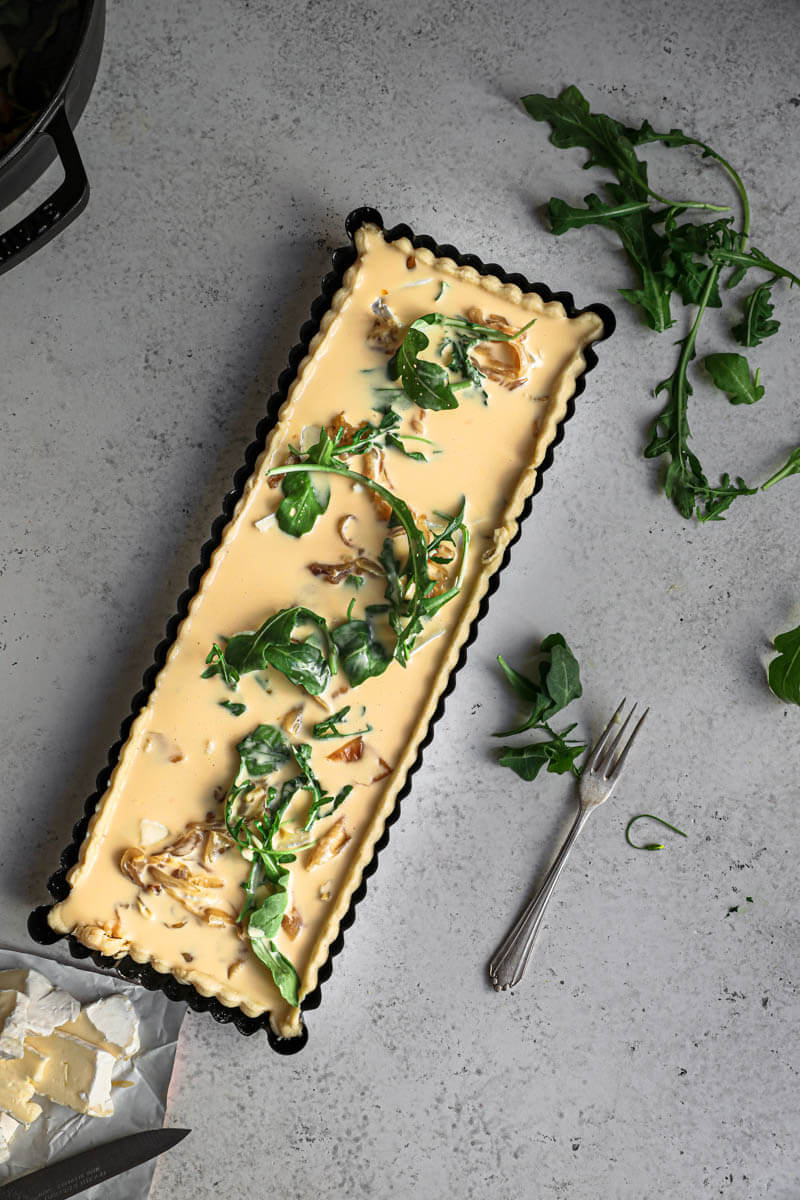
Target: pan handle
{"points": [[66, 202]]}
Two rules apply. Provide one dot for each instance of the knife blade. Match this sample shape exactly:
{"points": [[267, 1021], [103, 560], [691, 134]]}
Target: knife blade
{"points": [[72, 1175]]}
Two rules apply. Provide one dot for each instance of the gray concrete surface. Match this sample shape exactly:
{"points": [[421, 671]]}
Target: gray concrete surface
{"points": [[652, 1050]]}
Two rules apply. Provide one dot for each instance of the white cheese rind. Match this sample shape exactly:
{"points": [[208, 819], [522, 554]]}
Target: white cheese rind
{"points": [[8, 1127], [114, 1017], [14, 1010]]}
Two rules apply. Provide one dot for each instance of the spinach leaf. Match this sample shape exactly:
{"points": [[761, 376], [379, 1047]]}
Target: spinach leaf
{"points": [[303, 502], [558, 685], [784, 671], [329, 728], [273, 645], [264, 751], [362, 656], [323, 804], [557, 755], [731, 374], [235, 709]]}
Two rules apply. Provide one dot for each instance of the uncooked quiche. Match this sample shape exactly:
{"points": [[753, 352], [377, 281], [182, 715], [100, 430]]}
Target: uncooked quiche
{"points": [[258, 777]]}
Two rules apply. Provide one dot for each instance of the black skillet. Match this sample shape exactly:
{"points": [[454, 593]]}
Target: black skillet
{"points": [[50, 136]]}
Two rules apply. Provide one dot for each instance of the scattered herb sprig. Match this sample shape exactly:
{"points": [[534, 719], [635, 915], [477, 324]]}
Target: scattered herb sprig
{"points": [[671, 257], [558, 685]]}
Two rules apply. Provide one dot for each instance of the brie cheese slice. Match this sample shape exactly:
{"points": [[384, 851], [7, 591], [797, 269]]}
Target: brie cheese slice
{"points": [[74, 1074]]}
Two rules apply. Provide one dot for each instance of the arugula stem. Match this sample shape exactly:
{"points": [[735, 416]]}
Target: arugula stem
{"points": [[750, 260], [417, 549]]}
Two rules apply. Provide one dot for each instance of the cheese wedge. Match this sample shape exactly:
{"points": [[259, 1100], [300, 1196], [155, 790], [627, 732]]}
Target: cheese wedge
{"points": [[41, 1012], [110, 1024], [74, 1074], [19, 1080]]}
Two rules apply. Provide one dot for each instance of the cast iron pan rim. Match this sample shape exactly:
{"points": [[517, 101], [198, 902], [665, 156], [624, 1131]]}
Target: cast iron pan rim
{"points": [[45, 116], [144, 973]]}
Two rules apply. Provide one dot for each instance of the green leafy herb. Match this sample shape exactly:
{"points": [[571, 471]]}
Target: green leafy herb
{"points": [[273, 645], [217, 665], [329, 728], [670, 258], [757, 322], [266, 888], [362, 656], [558, 685], [790, 467], [783, 673], [233, 707], [649, 845], [428, 383], [410, 590], [731, 374]]}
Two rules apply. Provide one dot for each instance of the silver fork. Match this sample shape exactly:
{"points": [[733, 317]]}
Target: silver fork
{"points": [[600, 776]]}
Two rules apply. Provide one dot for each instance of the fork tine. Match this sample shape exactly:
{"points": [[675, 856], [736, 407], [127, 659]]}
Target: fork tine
{"points": [[620, 763], [608, 756], [596, 754]]}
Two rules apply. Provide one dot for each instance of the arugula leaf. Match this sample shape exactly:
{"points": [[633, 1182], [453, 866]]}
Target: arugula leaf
{"points": [[323, 804], [217, 665], [731, 374], [757, 322], [416, 602], [684, 258], [362, 656], [685, 483], [783, 673], [264, 751], [790, 467], [608, 142], [235, 709], [272, 645], [426, 383], [329, 728], [559, 684]]}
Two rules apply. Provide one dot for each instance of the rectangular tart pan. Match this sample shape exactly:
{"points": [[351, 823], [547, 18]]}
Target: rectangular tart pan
{"points": [[144, 973]]}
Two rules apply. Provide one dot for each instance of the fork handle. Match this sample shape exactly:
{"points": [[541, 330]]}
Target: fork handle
{"points": [[511, 958]]}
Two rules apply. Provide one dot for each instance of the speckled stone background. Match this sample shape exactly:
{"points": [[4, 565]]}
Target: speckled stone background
{"points": [[652, 1050]]}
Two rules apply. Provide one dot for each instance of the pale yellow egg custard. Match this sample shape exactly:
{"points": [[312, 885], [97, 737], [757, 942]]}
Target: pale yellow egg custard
{"points": [[257, 779]]}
